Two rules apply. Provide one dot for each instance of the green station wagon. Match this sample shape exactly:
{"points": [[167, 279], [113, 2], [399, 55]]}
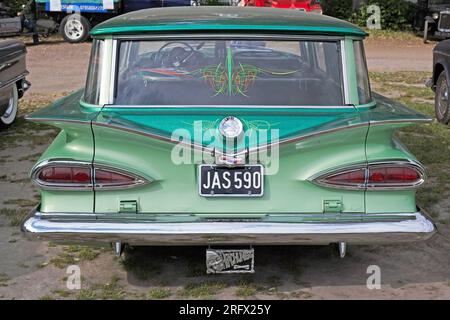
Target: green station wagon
{"points": [[227, 127]]}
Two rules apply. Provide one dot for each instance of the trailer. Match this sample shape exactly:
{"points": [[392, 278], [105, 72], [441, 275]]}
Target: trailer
{"points": [[76, 17]]}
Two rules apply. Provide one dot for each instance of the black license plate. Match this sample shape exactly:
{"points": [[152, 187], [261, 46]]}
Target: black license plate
{"points": [[245, 181]]}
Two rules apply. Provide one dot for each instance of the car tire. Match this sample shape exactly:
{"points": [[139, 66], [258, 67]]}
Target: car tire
{"points": [[11, 111], [75, 28], [441, 99]]}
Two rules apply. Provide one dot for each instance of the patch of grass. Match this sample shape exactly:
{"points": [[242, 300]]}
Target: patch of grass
{"points": [[111, 290], [31, 157], [4, 279], [246, 289], [159, 293], [23, 203], [301, 295], [75, 254], [204, 290], [393, 35], [14, 216], [46, 297], [62, 293]]}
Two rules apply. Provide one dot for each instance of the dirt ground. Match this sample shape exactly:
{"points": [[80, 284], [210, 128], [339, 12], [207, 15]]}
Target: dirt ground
{"points": [[37, 270]]}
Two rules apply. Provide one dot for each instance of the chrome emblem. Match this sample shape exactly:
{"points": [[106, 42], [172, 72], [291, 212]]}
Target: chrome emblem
{"points": [[230, 127]]}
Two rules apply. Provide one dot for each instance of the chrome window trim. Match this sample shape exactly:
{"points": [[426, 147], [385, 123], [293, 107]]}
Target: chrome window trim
{"points": [[226, 36], [339, 40], [345, 82], [107, 74], [140, 180], [320, 178], [226, 106]]}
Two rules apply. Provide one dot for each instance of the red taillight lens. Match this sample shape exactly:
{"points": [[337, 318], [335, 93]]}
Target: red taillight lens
{"points": [[349, 178], [65, 175], [72, 175], [109, 178], [375, 176], [394, 176]]}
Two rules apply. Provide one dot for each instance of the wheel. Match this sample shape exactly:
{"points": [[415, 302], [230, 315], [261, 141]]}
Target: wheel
{"points": [[11, 111], [75, 28], [441, 101]]}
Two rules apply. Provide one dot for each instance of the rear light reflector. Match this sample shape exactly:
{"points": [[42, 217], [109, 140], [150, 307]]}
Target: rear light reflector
{"points": [[73, 175], [348, 178], [375, 176], [105, 178]]}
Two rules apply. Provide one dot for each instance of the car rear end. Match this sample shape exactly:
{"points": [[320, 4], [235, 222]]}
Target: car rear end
{"points": [[228, 138]]}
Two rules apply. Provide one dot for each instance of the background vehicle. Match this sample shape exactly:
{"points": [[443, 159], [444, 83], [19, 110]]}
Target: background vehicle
{"points": [[77, 17], [303, 5], [433, 17], [12, 79], [440, 81], [13, 25]]}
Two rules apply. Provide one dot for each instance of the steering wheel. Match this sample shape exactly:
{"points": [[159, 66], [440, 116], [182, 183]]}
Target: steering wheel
{"points": [[178, 56]]}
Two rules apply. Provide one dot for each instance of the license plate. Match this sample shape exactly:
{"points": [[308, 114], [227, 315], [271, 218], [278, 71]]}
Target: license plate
{"points": [[245, 181], [230, 261]]}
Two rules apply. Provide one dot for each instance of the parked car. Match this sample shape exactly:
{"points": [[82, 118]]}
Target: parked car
{"points": [[433, 18], [239, 126], [76, 17], [12, 79], [303, 5], [14, 25], [439, 82]]}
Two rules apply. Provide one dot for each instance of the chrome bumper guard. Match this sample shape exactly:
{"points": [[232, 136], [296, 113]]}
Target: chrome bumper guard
{"points": [[401, 227]]}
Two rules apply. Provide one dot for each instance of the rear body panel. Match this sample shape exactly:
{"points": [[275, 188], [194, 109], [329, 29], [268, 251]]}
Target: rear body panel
{"points": [[142, 144]]}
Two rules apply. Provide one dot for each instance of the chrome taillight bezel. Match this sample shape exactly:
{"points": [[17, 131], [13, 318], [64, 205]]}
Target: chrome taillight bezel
{"points": [[92, 185], [321, 178]]}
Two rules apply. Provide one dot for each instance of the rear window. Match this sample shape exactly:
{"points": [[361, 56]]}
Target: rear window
{"points": [[229, 73]]}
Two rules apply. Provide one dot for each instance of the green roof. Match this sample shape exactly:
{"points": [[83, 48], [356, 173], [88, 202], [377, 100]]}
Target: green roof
{"points": [[224, 18]]}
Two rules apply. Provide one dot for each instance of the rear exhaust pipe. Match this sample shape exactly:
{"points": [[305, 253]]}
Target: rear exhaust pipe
{"points": [[342, 246], [118, 249]]}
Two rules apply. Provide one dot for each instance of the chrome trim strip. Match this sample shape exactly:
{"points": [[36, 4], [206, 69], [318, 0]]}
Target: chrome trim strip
{"points": [[20, 77], [420, 227], [253, 150]]}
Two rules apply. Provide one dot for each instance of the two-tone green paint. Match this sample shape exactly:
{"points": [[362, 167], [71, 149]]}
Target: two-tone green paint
{"points": [[313, 140], [228, 19]]}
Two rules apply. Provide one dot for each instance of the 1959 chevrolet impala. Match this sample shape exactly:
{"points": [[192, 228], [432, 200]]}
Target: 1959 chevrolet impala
{"points": [[227, 126]]}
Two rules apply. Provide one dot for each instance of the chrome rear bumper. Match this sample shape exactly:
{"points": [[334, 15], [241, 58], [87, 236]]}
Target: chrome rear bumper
{"points": [[401, 227]]}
